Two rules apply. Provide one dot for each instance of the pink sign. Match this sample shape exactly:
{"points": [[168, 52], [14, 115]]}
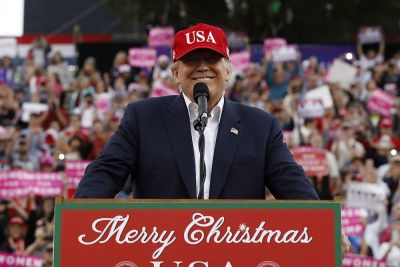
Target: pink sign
{"points": [[352, 221], [74, 170], [310, 108], [313, 160], [271, 43], [103, 102], [240, 60], [161, 36], [13, 260], [19, 183], [162, 90], [353, 260], [142, 57], [381, 103], [286, 136]]}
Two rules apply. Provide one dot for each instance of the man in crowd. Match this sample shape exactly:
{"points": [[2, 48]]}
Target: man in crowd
{"points": [[157, 144]]}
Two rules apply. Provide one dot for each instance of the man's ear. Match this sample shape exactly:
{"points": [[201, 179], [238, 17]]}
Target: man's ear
{"points": [[228, 75], [175, 74]]}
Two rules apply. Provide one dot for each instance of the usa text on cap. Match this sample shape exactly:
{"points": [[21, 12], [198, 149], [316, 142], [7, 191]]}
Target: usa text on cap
{"points": [[200, 36]]}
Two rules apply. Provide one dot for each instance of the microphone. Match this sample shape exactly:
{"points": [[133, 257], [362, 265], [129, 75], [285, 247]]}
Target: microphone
{"points": [[201, 95]]}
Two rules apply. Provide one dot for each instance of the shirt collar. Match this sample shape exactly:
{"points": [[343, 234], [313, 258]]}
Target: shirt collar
{"points": [[215, 114]]}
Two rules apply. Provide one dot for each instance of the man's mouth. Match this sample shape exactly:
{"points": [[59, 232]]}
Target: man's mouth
{"points": [[203, 79]]}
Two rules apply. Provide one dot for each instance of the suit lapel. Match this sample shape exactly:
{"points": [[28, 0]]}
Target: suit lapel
{"points": [[178, 125], [225, 147]]}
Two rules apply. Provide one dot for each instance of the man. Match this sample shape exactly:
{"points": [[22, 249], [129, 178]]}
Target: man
{"points": [[157, 144]]}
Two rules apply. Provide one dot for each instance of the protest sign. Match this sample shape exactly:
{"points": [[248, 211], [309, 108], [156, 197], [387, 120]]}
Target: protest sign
{"points": [[14, 260], [284, 53], [366, 195], [74, 170], [161, 36], [381, 103], [20, 183], [310, 108], [237, 40], [354, 260], [321, 93], [312, 160], [103, 103], [8, 47], [352, 221], [29, 108], [368, 35], [240, 60], [272, 43], [342, 73], [142, 57]]}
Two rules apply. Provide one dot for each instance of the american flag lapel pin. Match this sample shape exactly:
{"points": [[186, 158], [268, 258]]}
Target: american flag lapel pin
{"points": [[234, 131]]}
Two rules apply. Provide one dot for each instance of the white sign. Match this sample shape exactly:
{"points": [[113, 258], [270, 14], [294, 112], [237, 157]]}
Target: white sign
{"points": [[321, 93], [342, 73], [32, 108], [12, 18], [365, 195], [8, 47], [284, 53], [368, 35], [310, 108]]}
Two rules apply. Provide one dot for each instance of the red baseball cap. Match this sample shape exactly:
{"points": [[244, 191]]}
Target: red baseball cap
{"points": [[386, 123], [197, 37]]}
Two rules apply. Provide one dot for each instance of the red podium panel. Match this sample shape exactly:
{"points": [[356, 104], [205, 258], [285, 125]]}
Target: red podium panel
{"points": [[197, 234]]}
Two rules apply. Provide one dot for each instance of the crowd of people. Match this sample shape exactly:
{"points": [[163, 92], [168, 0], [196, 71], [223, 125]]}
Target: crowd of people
{"points": [[50, 115]]}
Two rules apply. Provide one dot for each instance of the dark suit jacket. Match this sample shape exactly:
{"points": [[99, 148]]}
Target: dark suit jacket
{"points": [[154, 144]]}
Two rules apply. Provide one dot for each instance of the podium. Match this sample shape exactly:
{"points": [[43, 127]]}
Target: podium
{"points": [[185, 233]]}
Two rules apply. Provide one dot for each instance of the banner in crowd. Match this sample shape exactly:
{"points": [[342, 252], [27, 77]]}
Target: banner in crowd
{"points": [[352, 221], [103, 103], [161, 36], [272, 43], [8, 47], [342, 73], [368, 35], [366, 195], [310, 108], [313, 160], [381, 103], [321, 93], [194, 234], [14, 260], [237, 40], [240, 60], [285, 53], [353, 260], [142, 57], [287, 135], [19, 183], [74, 170], [29, 108], [161, 89]]}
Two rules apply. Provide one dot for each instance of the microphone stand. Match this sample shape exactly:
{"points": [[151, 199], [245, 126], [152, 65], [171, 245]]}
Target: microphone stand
{"points": [[199, 125]]}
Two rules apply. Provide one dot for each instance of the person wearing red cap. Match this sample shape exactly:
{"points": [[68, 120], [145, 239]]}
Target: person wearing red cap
{"points": [[156, 142]]}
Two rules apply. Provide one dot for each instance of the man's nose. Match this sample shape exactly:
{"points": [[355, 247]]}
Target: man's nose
{"points": [[202, 66]]}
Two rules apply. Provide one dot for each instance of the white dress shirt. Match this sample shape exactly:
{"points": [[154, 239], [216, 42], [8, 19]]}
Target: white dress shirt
{"points": [[210, 137]]}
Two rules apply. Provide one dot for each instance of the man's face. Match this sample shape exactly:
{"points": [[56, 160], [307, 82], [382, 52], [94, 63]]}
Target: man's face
{"points": [[202, 65]]}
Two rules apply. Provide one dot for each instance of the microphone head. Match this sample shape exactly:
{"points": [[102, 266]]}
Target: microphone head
{"points": [[200, 89]]}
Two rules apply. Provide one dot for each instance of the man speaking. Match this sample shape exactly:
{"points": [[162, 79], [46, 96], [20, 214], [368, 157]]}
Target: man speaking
{"points": [[197, 144]]}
